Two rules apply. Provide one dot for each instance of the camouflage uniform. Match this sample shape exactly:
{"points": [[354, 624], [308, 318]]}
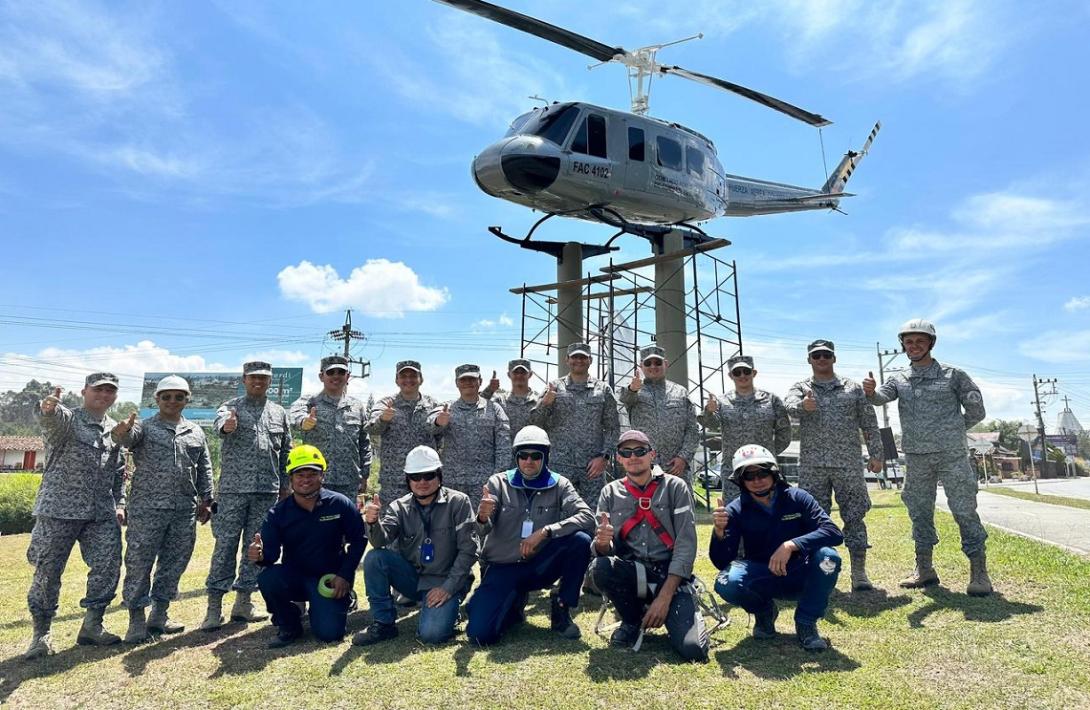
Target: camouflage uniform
{"points": [[930, 401], [582, 423], [475, 444], [518, 410], [829, 449], [77, 501], [253, 460], [663, 410], [408, 429], [340, 436], [759, 418], [173, 471]]}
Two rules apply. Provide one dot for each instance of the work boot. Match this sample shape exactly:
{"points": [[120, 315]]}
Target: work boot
{"points": [[980, 585], [560, 620], [625, 635], [42, 642], [91, 633], [375, 633], [244, 609], [860, 582], [138, 626], [213, 618], [764, 624], [159, 622], [285, 636], [924, 575], [809, 638]]}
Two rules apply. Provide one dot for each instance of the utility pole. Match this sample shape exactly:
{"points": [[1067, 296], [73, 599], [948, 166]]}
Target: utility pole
{"points": [[1037, 382], [347, 334], [885, 357]]}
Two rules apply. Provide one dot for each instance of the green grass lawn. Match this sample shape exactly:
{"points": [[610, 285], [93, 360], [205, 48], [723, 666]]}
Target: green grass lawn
{"points": [[1040, 497], [1027, 646]]}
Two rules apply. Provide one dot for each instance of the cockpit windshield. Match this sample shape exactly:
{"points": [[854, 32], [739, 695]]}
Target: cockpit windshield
{"points": [[553, 123], [518, 123]]}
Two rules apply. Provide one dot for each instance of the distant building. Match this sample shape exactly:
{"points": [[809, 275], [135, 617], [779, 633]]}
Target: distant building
{"points": [[1067, 422], [21, 453]]}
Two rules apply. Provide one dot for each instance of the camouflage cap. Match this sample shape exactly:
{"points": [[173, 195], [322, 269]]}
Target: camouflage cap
{"points": [[578, 349], [739, 361], [519, 363], [335, 362], [257, 367], [820, 345], [409, 365], [634, 435], [467, 370], [650, 351], [101, 378]]}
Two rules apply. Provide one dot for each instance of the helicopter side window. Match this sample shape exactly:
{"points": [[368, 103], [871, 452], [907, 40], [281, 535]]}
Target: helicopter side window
{"points": [[694, 161], [554, 126], [670, 155], [591, 137], [636, 146]]}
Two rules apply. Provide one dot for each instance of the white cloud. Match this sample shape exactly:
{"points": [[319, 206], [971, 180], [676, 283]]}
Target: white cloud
{"points": [[1058, 346], [279, 358], [504, 321], [1077, 303], [380, 288]]}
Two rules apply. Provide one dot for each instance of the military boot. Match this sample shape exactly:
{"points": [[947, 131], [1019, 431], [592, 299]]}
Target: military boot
{"points": [[560, 620], [92, 633], [42, 642], [213, 618], [244, 609], [809, 637], [980, 585], [764, 623], [138, 626], [924, 575], [159, 622], [860, 582]]}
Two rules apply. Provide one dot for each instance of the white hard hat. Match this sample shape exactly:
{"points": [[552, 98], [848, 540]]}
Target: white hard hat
{"points": [[422, 459], [917, 325], [172, 383], [530, 436], [751, 455]]}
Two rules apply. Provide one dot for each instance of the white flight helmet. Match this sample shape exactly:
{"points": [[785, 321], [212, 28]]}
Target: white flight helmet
{"points": [[530, 436], [918, 325], [751, 455], [422, 459], [172, 383]]}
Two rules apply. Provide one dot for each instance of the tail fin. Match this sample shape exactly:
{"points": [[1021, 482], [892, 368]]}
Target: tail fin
{"points": [[839, 178]]}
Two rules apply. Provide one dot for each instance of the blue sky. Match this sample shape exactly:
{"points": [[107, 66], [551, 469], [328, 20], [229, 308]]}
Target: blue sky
{"points": [[184, 186]]}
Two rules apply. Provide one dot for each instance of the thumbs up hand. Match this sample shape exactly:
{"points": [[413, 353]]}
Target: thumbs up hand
{"points": [[720, 518], [809, 403], [371, 510], [312, 419], [49, 404], [494, 383], [603, 535], [487, 506], [123, 427], [388, 413], [550, 396], [256, 551], [444, 416], [712, 406], [637, 380], [869, 384], [231, 422]]}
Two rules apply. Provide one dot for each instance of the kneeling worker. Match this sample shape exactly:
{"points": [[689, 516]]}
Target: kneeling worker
{"points": [[536, 531], [789, 551], [646, 545], [311, 526], [423, 546]]}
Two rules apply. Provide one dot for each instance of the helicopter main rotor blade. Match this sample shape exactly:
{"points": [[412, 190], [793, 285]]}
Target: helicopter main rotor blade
{"points": [[764, 99], [531, 25]]}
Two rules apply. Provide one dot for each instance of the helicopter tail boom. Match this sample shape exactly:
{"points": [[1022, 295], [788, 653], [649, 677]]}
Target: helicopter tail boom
{"points": [[836, 182]]}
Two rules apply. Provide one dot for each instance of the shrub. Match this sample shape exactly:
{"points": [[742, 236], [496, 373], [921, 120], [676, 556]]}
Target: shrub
{"points": [[17, 492]]}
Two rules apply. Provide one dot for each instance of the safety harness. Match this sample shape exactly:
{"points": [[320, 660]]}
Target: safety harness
{"points": [[644, 514]]}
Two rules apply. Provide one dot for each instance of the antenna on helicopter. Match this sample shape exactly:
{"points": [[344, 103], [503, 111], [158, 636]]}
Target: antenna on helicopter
{"points": [[535, 97]]}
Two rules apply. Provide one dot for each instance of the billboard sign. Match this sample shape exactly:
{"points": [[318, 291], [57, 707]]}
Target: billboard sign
{"points": [[1068, 443], [211, 389]]}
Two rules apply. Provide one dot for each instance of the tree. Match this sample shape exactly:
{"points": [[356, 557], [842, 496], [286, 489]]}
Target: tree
{"points": [[122, 410], [1008, 432]]}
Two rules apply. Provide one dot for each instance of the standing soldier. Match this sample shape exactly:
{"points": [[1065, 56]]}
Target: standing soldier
{"points": [[402, 422], [663, 411], [333, 421], [746, 416], [520, 401], [580, 414], [256, 441], [474, 435], [80, 499], [937, 405], [832, 411], [171, 490]]}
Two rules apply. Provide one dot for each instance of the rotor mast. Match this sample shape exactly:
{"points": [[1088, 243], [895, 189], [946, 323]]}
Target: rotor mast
{"points": [[642, 67]]}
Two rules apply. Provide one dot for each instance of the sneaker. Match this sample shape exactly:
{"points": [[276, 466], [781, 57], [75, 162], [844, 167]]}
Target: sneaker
{"points": [[560, 620], [625, 635], [285, 637], [374, 633], [764, 625], [809, 638]]}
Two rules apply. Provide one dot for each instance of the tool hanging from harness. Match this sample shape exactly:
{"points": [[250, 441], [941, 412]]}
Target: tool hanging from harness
{"points": [[644, 513]]}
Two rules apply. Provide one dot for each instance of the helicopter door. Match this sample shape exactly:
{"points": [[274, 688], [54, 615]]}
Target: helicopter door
{"points": [[590, 164], [636, 174]]}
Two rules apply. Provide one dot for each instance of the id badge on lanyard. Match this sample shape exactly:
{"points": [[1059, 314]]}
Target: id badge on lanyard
{"points": [[528, 524], [427, 551]]}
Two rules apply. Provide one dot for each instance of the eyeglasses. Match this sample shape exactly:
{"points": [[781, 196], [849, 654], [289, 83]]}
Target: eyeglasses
{"points": [[418, 477], [627, 453], [741, 372], [172, 397], [754, 475], [529, 455], [821, 355]]}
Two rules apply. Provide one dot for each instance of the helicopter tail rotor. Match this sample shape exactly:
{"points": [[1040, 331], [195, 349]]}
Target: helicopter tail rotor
{"points": [[836, 182]]}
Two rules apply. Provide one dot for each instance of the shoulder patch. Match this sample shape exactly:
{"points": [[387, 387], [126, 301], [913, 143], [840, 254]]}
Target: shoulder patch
{"points": [[974, 397]]}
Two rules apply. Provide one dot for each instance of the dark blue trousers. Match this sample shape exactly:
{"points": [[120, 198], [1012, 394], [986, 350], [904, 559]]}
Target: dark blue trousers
{"points": [[752, 586], [282, 587]]}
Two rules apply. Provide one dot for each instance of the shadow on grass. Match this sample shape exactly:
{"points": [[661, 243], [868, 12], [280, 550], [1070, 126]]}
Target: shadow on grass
{"points": [[866, 604], [15, 671], [24, 621], [780, 659], [160, 647], [992, 608]]}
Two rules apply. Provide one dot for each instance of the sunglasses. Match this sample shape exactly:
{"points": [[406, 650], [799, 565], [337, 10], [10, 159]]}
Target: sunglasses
{"points": [[741, 372], [335, 372], [821, 355], [627, 453], [529, 456], [418, 477], [172, 397], [755, 475]]}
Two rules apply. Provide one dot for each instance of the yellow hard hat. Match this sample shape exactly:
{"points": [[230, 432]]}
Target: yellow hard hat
{"points": [[305, 456]]}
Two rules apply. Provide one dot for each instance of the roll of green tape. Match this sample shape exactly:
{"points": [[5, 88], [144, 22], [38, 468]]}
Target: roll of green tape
{"points": [[325, 586]]}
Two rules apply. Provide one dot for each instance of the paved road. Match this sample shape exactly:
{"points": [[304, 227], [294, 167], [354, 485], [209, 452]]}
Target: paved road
{"points": [[1070, 487], [1055, 524]]}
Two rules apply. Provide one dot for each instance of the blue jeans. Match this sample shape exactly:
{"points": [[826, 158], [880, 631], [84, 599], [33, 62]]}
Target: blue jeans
{"points": [[752, 586], [383, 569], [282, 587]]}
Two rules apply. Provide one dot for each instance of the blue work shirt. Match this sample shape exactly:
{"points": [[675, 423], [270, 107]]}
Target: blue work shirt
{"points": [[313, 541], [794, 515]]}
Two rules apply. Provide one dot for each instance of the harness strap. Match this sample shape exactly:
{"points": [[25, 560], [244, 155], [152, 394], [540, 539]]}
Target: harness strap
{"points": [[644, 514]]}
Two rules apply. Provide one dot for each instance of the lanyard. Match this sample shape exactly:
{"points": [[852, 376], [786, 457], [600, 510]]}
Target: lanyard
{"points": [[425, 517]]}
